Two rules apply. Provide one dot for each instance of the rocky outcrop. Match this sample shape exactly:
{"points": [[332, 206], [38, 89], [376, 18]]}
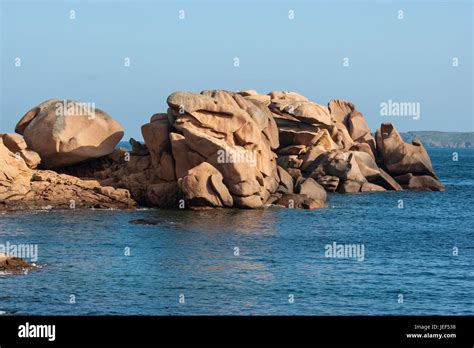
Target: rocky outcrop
{"points": [[335, 147], [419, 182], [16, 144], [213, 149], [25, 188], [409, 163], [312, 189], [235, 135], [65, 132], [399, 157], [12, 264]]}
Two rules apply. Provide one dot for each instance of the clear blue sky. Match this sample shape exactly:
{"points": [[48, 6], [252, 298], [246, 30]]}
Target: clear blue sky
{"points": [[402, 60]]}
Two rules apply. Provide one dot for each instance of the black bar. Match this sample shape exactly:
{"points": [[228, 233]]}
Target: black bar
{"points": [[260, 330]]}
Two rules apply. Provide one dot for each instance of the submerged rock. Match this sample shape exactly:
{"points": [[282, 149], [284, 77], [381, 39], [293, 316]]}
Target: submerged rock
{"points": [[145, 222], [300, 201], [13, 264], [16, 144]]}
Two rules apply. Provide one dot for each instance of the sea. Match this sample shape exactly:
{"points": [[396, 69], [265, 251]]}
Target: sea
{"points": [[389, 253]]}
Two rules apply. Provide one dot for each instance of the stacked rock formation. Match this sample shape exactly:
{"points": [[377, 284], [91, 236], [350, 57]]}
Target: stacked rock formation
{"points": [[333, 145], [24, 188], [213, 149], [409, 163]]}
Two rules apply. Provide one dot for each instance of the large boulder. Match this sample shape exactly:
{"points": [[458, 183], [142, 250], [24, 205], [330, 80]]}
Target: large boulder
{"points": [[233, 133], [14, 175], [286, 181], [300, 108], [65, 132], [340, 164], [298, 201], [203, 187], [351, 125], [399, 157], [312, 189], [419, 182], [13, 264], [31, 158], [367, 165], [386, 181], [16, 144], [157, 139]]}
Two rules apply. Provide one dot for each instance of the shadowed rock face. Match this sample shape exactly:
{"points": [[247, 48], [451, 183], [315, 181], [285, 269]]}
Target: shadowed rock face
{"points": [[399, 157], [65, 132], [213, 149]]}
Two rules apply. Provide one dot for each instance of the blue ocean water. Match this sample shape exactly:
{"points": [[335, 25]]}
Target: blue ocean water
{"points": [[407, 252]]}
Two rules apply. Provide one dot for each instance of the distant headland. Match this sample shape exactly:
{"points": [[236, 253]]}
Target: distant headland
{"points": [[441, 139]]}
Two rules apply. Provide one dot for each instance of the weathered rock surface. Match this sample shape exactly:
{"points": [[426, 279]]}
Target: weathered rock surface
{"points": [[213, 149], [233, 133], [369, 187], [419, 182], [16, 144], [203, 186], [64, 132], [406, 160], [399, 157], [13, 264], [24, 188], [312, 189]]}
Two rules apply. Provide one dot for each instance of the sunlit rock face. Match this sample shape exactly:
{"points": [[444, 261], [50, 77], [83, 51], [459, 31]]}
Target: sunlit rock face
{"points": [[215, 149], [65, 132]]}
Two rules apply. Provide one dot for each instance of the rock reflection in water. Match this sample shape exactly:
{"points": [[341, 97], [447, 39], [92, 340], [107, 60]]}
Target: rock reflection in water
{"points": [[255, 222]]}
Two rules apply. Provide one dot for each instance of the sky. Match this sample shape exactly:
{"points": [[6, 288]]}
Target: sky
{"points": [[405, 60]]}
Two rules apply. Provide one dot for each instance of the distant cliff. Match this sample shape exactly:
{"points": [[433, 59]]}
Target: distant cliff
{"points": [[442, 139]]}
